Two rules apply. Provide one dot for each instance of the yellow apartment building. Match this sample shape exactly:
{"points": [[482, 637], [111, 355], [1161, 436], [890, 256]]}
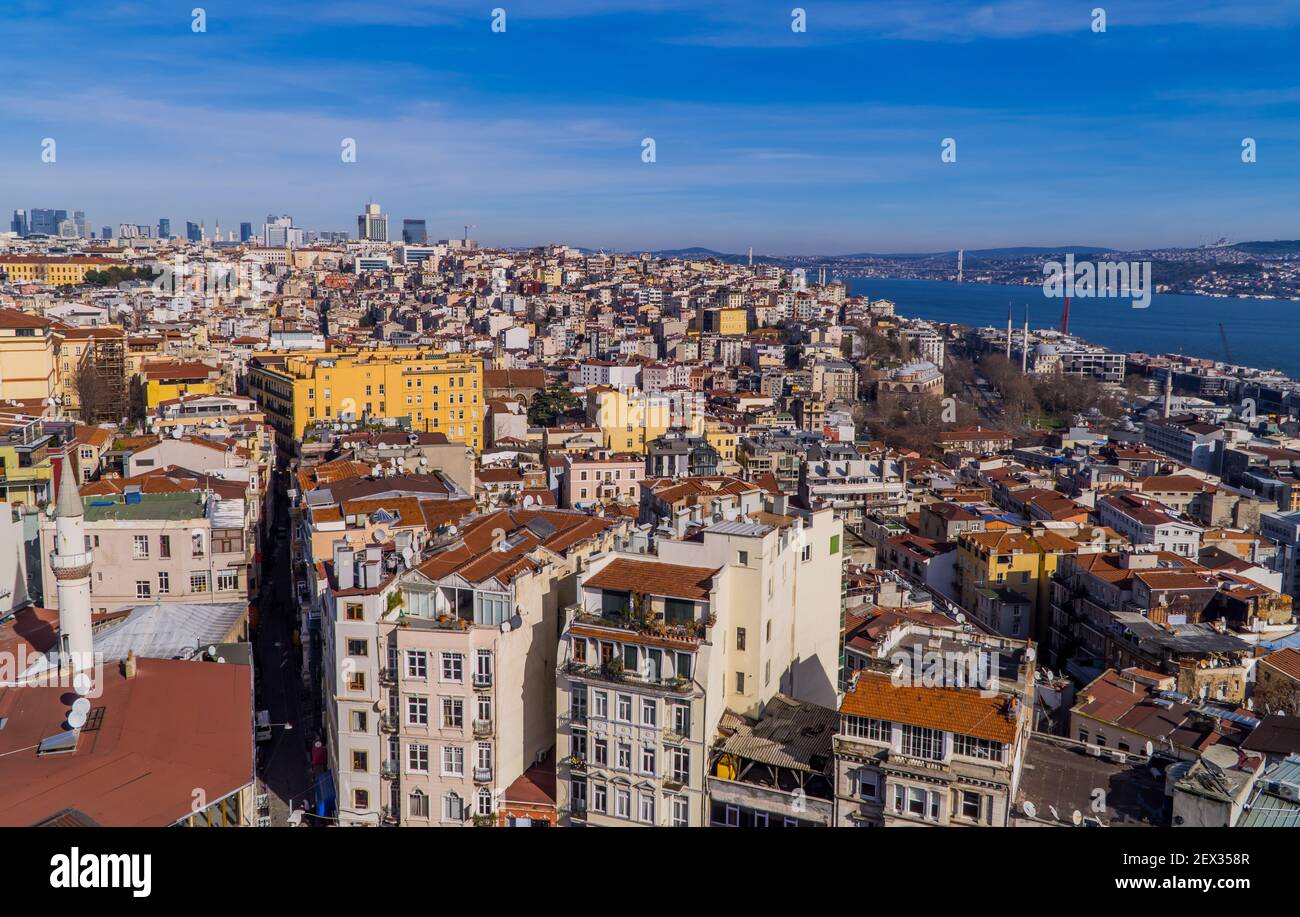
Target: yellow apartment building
{"points": [[628, 418], [28, 347], [53, 270], [724, 321], [172, 379], [437, 391], [1015, 560]]}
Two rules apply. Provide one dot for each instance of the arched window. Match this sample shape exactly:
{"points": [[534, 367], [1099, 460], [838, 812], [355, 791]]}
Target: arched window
{"points": [[419, 805], [453, 807], [484, 801]]}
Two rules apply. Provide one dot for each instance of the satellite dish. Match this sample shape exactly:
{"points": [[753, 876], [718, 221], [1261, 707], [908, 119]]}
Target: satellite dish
{"points": [[1077, 817], [1056, 816], [961, 618], [76, 719], [82, 683], [212, 650], [81, 707], [1150, 749], [379, 535], [1030, 809]]}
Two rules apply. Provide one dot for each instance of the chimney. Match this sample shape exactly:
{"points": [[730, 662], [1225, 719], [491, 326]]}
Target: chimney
{"points": [[129, 664], [343, 566]]}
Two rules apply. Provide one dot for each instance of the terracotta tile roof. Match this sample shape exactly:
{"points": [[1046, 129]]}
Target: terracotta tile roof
{"points": [[957, 710], [625, 575], [1286, 661]]}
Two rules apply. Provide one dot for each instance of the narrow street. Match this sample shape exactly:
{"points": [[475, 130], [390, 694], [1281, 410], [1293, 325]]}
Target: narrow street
{"points": [[283, 761]]}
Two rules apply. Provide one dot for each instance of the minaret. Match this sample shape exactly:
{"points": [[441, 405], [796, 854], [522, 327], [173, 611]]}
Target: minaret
{"points": [[70, 564], [1008, 332], [1024, 354]]}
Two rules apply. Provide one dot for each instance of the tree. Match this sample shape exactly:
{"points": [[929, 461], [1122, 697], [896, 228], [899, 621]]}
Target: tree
{"points": [[549, 406]]}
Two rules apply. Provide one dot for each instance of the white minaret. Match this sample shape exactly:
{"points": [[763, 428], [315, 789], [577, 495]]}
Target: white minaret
{"points": [[70, 564]]}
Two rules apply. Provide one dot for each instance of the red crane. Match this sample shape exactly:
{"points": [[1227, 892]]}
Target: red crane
{"points": [[1065, 317]]}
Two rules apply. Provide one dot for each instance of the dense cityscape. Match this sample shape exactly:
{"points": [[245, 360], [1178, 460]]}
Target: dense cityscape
{"points": [[437, 534]]}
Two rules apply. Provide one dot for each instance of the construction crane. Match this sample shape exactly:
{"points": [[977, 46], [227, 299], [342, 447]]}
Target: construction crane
{"points": [[1223, 335]]}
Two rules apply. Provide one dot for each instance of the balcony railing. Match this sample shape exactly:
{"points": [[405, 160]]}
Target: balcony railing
{"points": [[482, 680], [388, 723], [482, 775], [389, 770], [482, 728], [387, 676], [619, 675]]}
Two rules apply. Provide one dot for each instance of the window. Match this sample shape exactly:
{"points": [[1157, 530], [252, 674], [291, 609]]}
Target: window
{"points": [[600, 704], [453, 761], [740, 638], [142, 589], [624, 756], [731, 817], [863, 727], [199, 581], [417, 664], [140, 547], [453, 667], [484, 801], [196, 541], [973, 747], [453, 712], [681, 765], [358, 647], [920, 742], [740, 682], [417, 711], [600, 753], [623, 803], [419, 805], [742, 558], [681, 810], [868, 784], [806, 554], [227, 580], [624, 708], [360, 799], [417, 758], [971, 805], [164, 582], [649, 711], [599, 799], [357, 681], [681, 719], [647, 812], [355, 612], [360, 721], [360, 761], [648, 760], [453, 807]]}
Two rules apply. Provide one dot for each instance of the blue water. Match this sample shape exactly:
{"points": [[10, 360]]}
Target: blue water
{"points": [[1261, 332]]}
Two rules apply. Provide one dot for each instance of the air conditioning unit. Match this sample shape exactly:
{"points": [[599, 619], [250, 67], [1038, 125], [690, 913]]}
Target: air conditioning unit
{"points": [[1094, 750]]}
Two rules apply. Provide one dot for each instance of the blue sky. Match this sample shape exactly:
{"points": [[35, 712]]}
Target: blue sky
{"points": [[821, 142]]}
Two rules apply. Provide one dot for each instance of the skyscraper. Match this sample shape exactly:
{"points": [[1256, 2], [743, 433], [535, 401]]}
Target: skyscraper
{"points": [[372, 226], [164, 228], [46, 222], [245, 232], [414, 233], [192, 232], [19, 222]]}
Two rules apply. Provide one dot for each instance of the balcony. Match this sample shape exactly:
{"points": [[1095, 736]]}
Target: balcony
{"points": [[388, 723], [482, 775], [614, 672], [389, 770], [388, 816], [482, 728], [676, 735], [482, 681], [388, 676]]}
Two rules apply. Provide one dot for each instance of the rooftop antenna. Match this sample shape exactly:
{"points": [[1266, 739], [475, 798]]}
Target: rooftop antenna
{"points": [[468, 227]]}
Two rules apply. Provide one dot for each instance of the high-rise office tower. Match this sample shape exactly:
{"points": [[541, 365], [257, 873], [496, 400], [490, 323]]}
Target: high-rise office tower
{"points": [[46, 222], [164, 228], [279, 232], [414, 233], [192, 232], [372, 226], [106, 232], [245, 232], [82, 226], [19, 223]]}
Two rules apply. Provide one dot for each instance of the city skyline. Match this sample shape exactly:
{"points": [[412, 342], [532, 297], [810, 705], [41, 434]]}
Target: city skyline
{"points": [[821, 142]]}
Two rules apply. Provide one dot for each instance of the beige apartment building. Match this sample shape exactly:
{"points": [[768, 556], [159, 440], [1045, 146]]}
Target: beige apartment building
{"points": [[661, 645], [181, 547], [442, 675]]}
